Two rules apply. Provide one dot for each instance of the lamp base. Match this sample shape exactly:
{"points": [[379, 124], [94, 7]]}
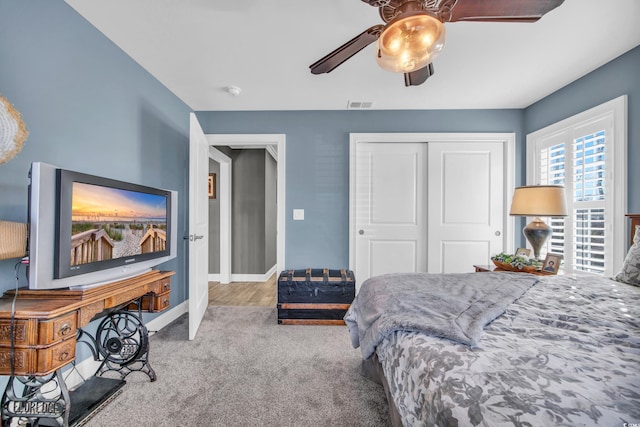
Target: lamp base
{"points": [[537, 232]]}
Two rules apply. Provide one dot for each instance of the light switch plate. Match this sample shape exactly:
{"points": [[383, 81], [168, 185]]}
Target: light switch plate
{"points": [[298, 214]]}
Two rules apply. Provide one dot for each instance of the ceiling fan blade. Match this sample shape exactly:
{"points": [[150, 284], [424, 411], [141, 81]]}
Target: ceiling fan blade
{"points": [[502, 10], [418, 77], [346, 51]]}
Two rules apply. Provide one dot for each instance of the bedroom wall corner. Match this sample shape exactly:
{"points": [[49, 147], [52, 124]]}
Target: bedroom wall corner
{"points": [[88, 107]]}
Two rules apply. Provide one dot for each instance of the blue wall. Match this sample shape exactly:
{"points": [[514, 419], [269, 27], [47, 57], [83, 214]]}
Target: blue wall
{"points": [[318, 164], [619, 77], [318, 149], [88, 107]]}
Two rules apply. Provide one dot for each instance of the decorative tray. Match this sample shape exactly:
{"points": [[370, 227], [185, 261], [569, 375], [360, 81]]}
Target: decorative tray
{"points": [[509, 267]]}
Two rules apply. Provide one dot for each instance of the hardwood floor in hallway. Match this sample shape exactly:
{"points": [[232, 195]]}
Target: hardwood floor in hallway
{"points": [[262, 294]]}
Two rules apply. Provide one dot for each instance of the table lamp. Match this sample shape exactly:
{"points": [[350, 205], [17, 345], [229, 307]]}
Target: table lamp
{"points": [[537, 201], [13, 239]]}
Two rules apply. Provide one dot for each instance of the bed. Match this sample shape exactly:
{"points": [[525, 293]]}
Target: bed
{"points": [[495, 349]]}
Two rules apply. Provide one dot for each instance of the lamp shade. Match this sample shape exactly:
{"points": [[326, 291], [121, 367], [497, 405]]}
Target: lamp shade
{"points": [[539, 200], [13, 239], [410, 42]]}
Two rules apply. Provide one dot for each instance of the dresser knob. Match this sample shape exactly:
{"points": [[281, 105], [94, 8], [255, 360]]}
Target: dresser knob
{"points": [[166, 286], [65, 329], [165, 302]]}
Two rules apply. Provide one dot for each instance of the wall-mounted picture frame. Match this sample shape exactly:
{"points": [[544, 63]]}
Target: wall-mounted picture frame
{"points": [[552, 263], [523, 252], [211, 187]]}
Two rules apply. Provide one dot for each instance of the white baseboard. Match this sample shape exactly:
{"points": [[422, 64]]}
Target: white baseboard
{"points": [[159, 322], [246, 277], [86, 368]]}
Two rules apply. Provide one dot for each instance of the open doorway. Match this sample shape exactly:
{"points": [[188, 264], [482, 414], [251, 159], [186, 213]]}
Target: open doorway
{"points": [[254, 212], [273, 145], [200, 145]]}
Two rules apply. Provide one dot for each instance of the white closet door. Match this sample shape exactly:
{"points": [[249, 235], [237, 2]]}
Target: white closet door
{"points": [[390, 209], [466, 204]]}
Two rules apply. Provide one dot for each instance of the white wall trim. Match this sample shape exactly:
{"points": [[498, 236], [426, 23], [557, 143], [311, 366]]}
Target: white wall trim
{"points": [[246, 277], [273, 152], [224, 181], [254, 277], [159, 322], [508, 139], [264, 140]]}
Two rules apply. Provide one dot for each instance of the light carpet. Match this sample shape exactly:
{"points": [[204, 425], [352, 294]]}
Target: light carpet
{"points": [[243, 369]]}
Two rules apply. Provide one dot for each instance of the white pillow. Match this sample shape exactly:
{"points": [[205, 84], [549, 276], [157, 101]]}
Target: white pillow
{"points": [[630, 272]]}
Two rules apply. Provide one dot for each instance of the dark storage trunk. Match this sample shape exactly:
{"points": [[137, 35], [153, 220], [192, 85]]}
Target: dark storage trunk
{"points": [[315, 296]]}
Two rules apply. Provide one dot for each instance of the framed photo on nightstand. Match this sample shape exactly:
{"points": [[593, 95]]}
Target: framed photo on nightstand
{"points": [[552, 263]]}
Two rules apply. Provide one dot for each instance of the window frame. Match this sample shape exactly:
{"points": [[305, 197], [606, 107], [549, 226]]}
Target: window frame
{"points": [[614, 114]]}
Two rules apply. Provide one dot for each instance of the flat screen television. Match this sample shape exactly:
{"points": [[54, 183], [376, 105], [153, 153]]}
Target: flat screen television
{"points": [[86, 230]]}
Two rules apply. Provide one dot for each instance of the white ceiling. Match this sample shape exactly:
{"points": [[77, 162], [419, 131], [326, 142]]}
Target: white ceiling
{"points": [[197, 48]]}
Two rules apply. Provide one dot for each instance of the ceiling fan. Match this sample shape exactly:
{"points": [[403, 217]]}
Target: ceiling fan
{"points": [[413, 33]]}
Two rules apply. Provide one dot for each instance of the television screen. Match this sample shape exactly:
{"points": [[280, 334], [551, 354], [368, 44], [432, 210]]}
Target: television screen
{"points": [[108, 223], [87, 229]]}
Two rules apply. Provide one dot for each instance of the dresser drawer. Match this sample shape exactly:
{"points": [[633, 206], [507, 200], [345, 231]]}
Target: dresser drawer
{"points": [[25, 332], [156, 287], [153, 303], [29, 332], [37, 361], [161, 286], [57, 329]]}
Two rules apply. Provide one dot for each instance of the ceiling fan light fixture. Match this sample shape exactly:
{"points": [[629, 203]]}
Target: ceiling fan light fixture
{"points": [[410, 42]]}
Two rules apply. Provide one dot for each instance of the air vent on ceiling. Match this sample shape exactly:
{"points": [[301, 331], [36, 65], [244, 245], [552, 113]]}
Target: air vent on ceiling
{"points": [[359, 105]]}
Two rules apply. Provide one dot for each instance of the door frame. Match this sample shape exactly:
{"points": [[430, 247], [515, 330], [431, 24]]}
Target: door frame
{"points": [[224, 195], [264, 141], [508, 139]]}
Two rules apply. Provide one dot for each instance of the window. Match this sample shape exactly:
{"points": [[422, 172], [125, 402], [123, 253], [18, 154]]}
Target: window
{"points": [[587, 154]]}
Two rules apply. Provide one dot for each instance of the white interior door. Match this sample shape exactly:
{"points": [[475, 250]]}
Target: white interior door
{"points": [[198, 225], [390, 209], [466, 204]]}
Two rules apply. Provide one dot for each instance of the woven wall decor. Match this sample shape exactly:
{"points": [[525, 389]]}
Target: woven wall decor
{"points": [[13, 131], [13, 239]]}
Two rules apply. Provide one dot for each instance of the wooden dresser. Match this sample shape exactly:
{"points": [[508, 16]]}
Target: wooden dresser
{"points": [[46, 322], [38, 337]]}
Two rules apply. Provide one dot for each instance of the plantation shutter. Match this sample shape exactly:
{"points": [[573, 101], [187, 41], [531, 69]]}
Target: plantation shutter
{"points": [[552, 172], [589, 175], [580, 153]]}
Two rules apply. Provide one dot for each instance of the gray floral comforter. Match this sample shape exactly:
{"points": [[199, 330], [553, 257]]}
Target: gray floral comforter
{"points": [[566, 353]]}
